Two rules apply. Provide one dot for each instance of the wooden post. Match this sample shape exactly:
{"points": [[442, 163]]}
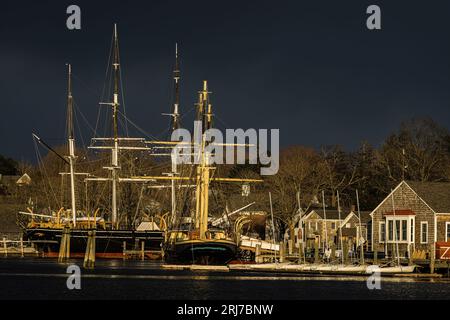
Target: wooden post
{"points": [[432, 258], [92, 251], [64, 246], [5, 247], [89, 256], [291, 247], [375, 254], [410, 255], [361, 253], [333, 252], [21, 247], [88, 248], [302, 250], [68, 244], [345, 253], [142, 250], [258, 253], [316, 251], [282, 251], [124, 250]]}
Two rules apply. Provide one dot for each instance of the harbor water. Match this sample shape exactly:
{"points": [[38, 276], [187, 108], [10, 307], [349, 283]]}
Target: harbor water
{"points": [[34, 278]]}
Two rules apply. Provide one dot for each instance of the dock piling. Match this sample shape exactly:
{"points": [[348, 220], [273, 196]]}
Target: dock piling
{"points": [[64, 246], [290, 247], [375, 255], [333, 252], [258, 253], [432, 258], [89, 256], [282, 251], [143, 250], [345, 253], [316, 251], [5, 247], [21, 248], [410, 258]]}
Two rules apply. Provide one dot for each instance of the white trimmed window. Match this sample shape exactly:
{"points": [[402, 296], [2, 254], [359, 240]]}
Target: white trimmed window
{"points": [[398, 230], [390, 230], [424, 232], [382, 231], [404, 235]]}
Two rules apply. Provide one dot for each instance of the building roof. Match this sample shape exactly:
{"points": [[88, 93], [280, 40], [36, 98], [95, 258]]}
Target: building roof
{"points": [[349, 232], [435, 194], [365, 216], [332, 214]]}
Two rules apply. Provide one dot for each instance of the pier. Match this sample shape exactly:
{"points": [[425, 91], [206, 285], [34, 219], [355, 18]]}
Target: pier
{"points": [[15, 246]]}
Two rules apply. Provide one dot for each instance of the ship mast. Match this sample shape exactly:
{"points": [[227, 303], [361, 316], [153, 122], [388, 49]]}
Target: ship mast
{"points": [[115, 150], [204, 175], [203, 170], [115, 139], [71, 142], [176, 81], [175, 126]]}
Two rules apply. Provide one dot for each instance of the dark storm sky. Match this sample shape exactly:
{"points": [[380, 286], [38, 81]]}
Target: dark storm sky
{"points": [[310, 68]]}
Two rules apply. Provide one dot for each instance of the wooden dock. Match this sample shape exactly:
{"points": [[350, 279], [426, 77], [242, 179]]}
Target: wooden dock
{"points": [[196, 267], [139, 252], [16, 248]]}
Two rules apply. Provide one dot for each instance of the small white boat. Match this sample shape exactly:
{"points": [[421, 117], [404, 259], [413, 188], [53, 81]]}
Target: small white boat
{"points": [[390, 270]]}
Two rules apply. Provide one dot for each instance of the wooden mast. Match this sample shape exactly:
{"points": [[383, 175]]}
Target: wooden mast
{"points": [[360, 230], [325, 218], [340, 228], [176, 81], [115, 150], [203, 171], [71, 142], [175, 125], [202, 157]]}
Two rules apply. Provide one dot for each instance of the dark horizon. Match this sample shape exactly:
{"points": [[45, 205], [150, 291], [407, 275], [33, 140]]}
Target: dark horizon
{"points": [[312, 70]]}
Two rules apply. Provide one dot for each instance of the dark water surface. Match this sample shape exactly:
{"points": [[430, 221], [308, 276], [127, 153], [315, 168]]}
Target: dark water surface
{"points": [[46, 279]]}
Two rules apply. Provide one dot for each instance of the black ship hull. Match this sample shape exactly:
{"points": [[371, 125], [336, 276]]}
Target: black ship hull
{"points": [[108, 243], [212, 252]]}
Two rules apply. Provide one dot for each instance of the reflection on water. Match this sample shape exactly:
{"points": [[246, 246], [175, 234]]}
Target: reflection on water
{"points": [[117, 279]]}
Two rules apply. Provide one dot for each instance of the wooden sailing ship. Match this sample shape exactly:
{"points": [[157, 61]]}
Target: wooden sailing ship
{"points": [[195, 242], [45, 231], [199, 243], [193, 238]]}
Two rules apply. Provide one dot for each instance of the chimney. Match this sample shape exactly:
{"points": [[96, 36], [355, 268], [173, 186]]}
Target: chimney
{"points": [[353, 208]]}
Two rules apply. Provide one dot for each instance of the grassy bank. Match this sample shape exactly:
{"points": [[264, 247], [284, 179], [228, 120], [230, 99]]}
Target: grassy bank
{"points": [[8, 215]]}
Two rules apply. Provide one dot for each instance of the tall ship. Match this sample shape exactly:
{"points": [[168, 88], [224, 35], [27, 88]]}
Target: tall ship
{"points": [[113, 233], [188, 233], [196, 237]]}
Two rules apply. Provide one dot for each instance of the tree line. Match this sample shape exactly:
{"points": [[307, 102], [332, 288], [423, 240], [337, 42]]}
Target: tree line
{"points": [[419, 150]]}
